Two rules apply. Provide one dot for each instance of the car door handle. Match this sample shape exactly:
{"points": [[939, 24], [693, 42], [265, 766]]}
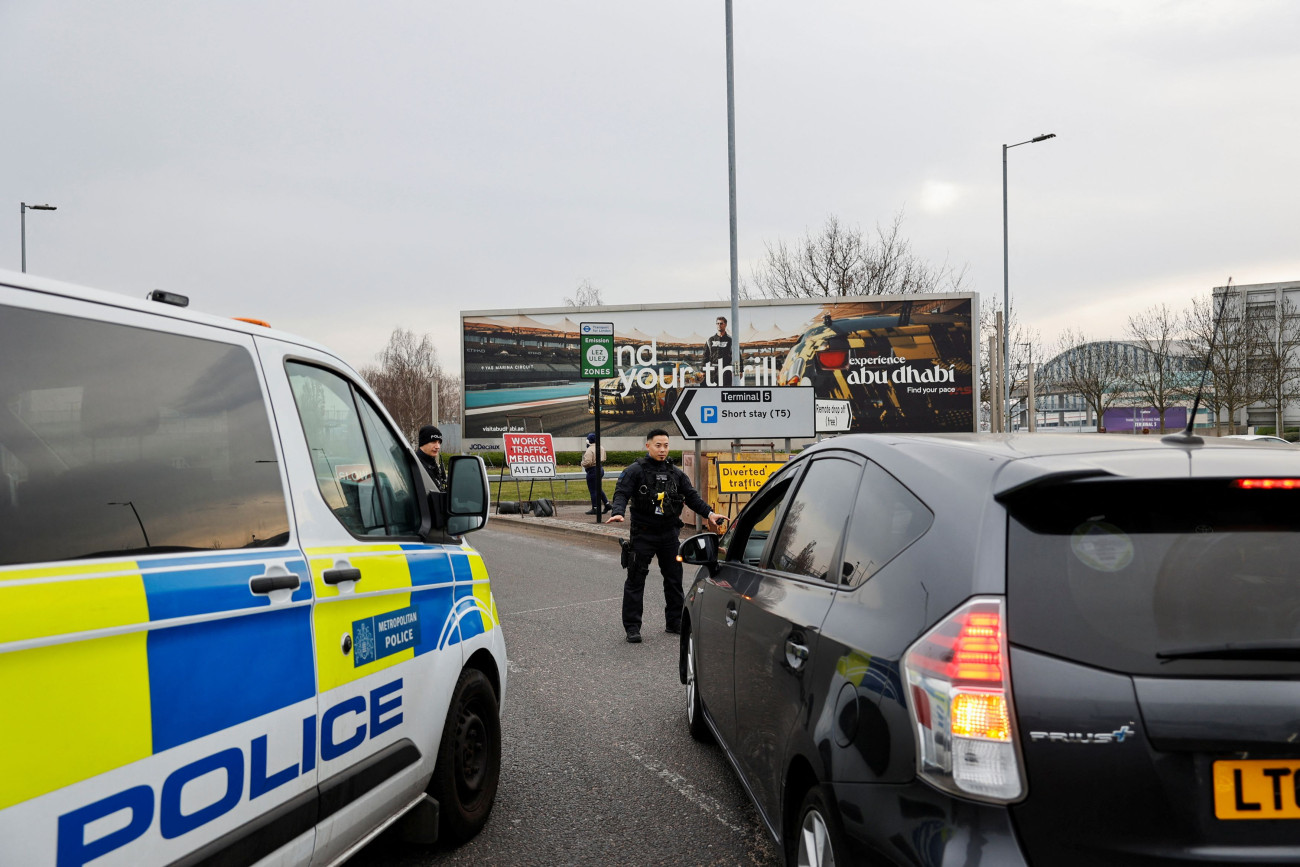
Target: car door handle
{"points": [[263, 584], [795, 654], [340, 574], [732, 614]]}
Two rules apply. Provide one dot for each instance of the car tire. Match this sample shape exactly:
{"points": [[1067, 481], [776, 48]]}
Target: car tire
{"points": [[469, 759], [694, 704], [817, 840]]}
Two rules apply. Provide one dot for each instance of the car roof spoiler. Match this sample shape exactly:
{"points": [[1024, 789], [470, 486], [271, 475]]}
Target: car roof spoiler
{"points": [[1048, 480]]}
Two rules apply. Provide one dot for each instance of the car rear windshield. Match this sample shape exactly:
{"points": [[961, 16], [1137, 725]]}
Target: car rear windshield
{"points": [[1157, 577]]}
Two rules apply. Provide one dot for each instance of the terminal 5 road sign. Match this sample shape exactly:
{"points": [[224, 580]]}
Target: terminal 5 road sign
{"points": [[745, 413]]}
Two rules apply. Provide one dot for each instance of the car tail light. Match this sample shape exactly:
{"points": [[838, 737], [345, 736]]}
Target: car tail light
{"points": [[1267, 484], [960, 703], [833, 359]]}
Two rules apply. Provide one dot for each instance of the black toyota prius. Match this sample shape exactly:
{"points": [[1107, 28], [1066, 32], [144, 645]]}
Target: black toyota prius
{"points": [[1010, 650]]}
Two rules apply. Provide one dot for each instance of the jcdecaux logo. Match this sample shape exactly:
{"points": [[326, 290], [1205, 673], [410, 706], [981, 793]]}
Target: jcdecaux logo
{"points": [[340, 729]]}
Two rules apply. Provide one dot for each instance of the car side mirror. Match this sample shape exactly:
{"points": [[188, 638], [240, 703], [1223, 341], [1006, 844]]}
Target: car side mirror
{"points": [[701, 550], [463, 507]]}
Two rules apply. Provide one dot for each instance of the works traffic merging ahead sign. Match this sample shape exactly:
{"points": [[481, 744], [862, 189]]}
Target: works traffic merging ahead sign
{"points": [[745, 413], [530, 456]]}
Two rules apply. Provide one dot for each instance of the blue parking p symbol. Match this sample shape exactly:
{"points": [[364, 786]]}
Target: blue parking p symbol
{"points": [[708, 414]]}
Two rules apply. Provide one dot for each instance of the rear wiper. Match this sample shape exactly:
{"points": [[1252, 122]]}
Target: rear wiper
{"points": [[1287, 648]]}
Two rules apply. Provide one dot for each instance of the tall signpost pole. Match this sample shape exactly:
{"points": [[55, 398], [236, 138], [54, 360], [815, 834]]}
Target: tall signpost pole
{"points": [[596, 346], [731, 178]]}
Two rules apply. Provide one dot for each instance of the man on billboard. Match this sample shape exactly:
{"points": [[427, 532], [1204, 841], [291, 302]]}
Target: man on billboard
{"points": [[718, 349]]}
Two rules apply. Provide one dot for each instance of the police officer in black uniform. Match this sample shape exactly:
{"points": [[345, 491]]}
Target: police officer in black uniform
{"points": [[655, 491], [430, 455]]}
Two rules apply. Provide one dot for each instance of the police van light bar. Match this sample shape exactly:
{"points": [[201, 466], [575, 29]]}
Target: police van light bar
{"points": [[169, 298]]}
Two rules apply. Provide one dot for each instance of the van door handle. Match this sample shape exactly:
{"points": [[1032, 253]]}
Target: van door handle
{"points": [[732, 614], [276, 577], [340, 574], [263, 584]]}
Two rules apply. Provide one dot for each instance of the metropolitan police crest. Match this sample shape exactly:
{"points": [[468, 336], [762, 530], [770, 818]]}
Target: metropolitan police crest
{"points": [[363, 633]]}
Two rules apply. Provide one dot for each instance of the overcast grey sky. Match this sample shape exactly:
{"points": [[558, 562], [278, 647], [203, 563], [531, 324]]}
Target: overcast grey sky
{"points": [[343, 168]]}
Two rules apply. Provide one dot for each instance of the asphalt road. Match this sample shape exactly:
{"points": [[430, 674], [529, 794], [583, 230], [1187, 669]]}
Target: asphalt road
{"points": [[597, 764]]}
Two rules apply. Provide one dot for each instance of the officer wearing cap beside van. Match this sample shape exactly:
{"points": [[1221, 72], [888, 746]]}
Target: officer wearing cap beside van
{"points": [[654, 490], [431, 455]]}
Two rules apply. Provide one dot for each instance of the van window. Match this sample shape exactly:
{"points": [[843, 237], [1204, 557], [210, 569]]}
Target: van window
{"points": [[362, 468], [117, 440]]}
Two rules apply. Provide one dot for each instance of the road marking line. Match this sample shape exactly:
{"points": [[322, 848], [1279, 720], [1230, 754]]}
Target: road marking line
{"points": [[558, 607], [705, 802]]}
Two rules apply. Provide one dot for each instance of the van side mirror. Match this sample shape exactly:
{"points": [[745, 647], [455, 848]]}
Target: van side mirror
{"points": [[701, 550], [464, 505]]}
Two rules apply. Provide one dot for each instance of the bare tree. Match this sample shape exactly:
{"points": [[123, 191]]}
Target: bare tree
{"points": [[1162, 381], [1230, 343], [1277, 358], [1094, 370], [841, 260], [403, 380], [586, 295]]}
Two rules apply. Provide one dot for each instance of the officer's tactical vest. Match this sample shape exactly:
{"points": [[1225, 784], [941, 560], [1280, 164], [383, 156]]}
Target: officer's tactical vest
{"points": [[659, 493]]}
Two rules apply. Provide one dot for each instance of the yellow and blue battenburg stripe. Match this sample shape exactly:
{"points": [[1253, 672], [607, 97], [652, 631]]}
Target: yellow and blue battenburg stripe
{"points": [[103, 664], [446, 588], [96, 678]]}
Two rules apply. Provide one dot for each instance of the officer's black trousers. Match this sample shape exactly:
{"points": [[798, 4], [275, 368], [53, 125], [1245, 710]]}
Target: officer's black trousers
{"points": [[646, 546]]}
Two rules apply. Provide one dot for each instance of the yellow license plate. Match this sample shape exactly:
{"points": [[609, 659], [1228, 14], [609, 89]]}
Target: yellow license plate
{"points": [[1257, 789]]}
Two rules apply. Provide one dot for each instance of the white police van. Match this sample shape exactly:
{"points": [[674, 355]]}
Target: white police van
{"points": [[238, 624]]}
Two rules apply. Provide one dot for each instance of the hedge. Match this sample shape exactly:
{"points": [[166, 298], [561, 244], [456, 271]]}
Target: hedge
{"points": [[495, 459]]}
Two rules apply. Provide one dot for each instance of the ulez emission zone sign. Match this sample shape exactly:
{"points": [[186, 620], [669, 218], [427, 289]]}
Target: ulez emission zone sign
{"points": [[745, 413], [596, 348]]}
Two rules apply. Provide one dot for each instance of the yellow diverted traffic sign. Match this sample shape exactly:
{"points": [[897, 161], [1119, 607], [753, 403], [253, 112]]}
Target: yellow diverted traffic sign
{"points": [[744, 477]]}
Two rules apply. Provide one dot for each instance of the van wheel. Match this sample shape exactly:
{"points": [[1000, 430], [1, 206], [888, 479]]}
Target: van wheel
{"points": [[694, 704], [469, 759], [818, 840]]}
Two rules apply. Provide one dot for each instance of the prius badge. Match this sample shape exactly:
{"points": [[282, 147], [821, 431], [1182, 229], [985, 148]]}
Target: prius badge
{"points": [[1114, 737]]}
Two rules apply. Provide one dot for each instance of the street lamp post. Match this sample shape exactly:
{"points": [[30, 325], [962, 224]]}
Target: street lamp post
{"points": [[23, 208], [1006, 290]]}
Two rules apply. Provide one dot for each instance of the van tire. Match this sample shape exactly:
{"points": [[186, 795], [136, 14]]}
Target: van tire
{"points": [[469, 759]]}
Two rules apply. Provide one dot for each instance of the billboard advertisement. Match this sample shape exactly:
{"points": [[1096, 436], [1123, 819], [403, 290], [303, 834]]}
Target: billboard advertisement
{"points": [[878, 363], [1125, 419]]}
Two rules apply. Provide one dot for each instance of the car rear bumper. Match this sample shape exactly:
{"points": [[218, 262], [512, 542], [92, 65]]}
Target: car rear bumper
{"points": [[918, 825]]}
